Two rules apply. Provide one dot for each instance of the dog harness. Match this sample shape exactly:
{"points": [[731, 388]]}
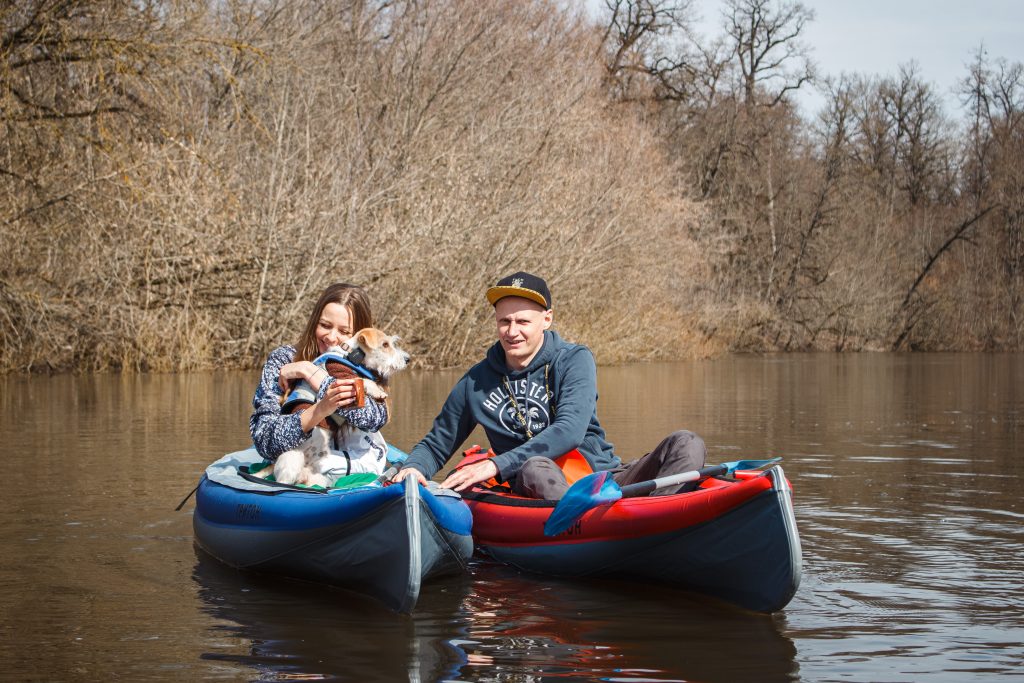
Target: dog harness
{"points": [[352, 361], [302, 393]]}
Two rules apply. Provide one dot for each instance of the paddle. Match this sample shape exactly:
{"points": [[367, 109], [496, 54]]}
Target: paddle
{"points": [[599, 488], [386, 475]]}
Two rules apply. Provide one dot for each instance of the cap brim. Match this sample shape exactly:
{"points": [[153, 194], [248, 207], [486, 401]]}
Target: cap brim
{"points": [[496, 293]]}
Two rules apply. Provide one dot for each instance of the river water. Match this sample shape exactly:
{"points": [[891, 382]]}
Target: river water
{"points": [[907, 478]]}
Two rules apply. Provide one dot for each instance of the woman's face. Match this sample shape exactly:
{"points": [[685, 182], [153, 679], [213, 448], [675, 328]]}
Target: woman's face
{"points": [[334, 328]]}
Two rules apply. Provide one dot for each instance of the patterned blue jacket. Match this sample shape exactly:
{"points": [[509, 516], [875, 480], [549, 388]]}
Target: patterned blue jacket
{"points": [[274, 433]]}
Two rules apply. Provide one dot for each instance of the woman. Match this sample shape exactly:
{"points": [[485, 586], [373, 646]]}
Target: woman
{"points": [[342, 310]]}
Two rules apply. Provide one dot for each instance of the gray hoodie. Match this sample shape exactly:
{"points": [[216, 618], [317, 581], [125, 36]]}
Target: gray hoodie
{"points": [[561, 411]]}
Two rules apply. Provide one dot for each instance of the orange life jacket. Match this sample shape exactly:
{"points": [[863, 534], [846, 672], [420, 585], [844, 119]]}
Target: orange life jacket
{"points": [[574, 466]]}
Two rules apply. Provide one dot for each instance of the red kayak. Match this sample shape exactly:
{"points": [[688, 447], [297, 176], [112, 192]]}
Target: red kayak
{"points": [[734, 538]]}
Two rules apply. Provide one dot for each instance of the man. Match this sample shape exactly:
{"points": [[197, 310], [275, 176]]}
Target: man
{"points": [[535, 395]]}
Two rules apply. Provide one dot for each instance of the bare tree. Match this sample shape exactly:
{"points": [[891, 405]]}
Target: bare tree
{"points": [[994, 176], [773, 61]]}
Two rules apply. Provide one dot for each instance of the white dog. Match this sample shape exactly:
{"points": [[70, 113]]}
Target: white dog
{"points": [[302, 465], [336, 448]]}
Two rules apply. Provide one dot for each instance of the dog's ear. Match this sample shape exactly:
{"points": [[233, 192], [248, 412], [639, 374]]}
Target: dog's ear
{"points": [[368, 338]]}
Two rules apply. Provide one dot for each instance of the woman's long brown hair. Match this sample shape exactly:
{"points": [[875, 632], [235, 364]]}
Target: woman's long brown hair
{"points": [[352, 297]]}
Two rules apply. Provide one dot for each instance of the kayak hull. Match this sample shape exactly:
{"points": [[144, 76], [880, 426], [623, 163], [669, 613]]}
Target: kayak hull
{"points": [[733, 540], [378, 541]]}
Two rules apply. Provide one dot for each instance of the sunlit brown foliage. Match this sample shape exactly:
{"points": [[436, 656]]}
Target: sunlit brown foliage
{"points": [[179, 179], [230, 160]]}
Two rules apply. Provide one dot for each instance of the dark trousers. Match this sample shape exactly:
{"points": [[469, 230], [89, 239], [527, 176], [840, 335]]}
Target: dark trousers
{"points": [[681, 451]]}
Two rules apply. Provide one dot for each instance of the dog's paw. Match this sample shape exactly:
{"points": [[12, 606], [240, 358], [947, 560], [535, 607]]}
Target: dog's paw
{"points": [[288, 467], [374, 390], [263, 473], [318, 480]]}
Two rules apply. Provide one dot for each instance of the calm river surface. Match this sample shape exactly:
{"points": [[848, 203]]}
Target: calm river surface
{"points": [[907, 478]]}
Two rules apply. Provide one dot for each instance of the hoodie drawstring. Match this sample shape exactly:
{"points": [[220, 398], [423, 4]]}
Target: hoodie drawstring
{"points": [[515, 404]]}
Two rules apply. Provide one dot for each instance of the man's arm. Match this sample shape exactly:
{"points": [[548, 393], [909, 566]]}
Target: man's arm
{"points": [[450, 429]]}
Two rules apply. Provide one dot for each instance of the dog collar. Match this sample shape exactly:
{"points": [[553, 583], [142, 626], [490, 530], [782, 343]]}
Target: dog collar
{"points": [[354, 354]]}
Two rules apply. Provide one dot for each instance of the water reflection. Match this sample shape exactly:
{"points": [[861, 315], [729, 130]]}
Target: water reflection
{"points": [[611, 630], [498, 626], [290, 629]]}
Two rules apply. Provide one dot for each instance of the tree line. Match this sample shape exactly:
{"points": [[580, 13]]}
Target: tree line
{"points": [[879, 224], [181, 178]]}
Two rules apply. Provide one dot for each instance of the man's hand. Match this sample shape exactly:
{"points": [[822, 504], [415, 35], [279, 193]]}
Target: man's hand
{"points": [[407, 472], [465, 477]]}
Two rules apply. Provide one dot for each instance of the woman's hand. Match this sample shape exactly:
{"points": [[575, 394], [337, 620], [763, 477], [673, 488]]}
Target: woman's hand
{"points": [[302, 369], [466, 476], [407, 472], [341, 394]]}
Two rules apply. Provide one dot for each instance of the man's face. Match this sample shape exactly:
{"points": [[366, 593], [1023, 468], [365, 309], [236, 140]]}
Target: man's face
{"points": [[521, 325]]}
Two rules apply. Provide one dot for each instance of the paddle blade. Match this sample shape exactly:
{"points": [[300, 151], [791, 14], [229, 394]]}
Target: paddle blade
{"points": [[589, 492], [731, 467]]}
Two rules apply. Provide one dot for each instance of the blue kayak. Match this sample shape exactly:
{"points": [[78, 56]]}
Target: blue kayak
{"points": [[381, 541]]}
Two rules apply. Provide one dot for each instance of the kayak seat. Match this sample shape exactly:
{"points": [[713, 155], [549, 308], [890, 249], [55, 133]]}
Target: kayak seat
{"points": [[573, 464]]}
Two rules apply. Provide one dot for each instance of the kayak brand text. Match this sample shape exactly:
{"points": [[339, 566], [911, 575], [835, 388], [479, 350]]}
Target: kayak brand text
{"points": [[248, 511]]}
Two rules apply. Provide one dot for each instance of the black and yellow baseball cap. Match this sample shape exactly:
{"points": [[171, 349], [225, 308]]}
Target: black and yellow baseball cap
{"points": [[521, 284]]}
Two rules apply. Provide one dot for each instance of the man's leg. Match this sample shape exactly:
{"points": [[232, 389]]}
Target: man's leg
{"points": [[680, 451], [541, 478]]}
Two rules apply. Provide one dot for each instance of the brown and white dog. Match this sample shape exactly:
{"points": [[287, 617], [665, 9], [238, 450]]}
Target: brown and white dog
{"points": [[377, 352], [336, 448]]}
